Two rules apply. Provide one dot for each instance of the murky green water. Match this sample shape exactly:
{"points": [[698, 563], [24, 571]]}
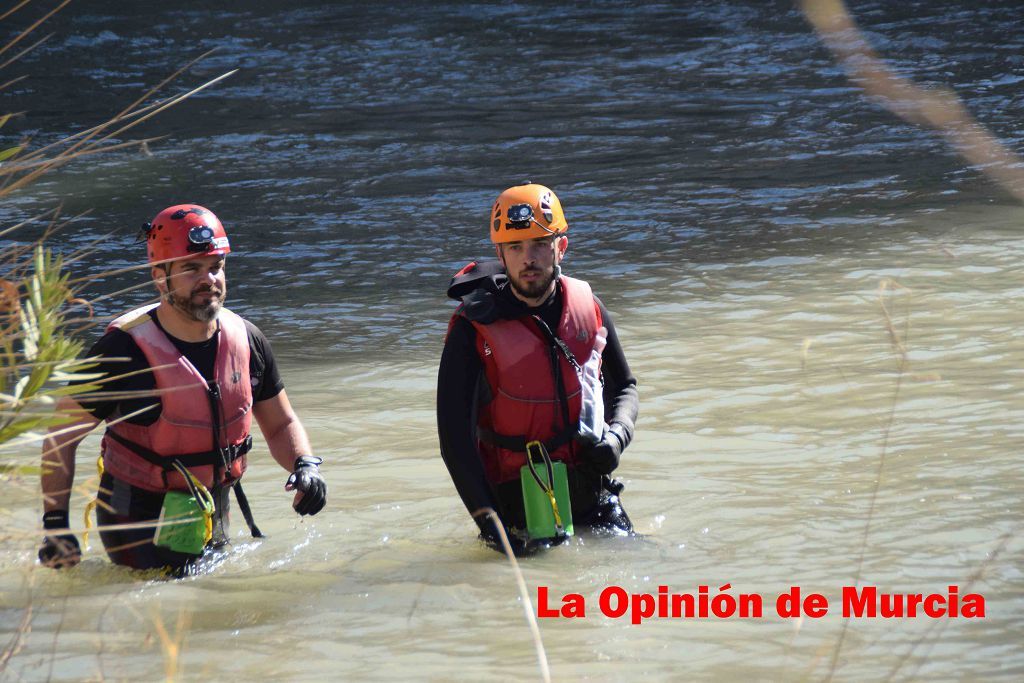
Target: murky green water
{"points": [[737, 206]]}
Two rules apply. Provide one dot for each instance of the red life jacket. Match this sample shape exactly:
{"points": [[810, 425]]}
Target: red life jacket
{"points": [[526, 403], [193, 414]]}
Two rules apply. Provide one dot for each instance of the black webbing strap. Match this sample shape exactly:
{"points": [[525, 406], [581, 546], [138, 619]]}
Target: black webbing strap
{"points": [[214, 457], [243, 505], [518, 443], [180, 469], [556, 368], [558, 343], [549, 486], [549, 467]]}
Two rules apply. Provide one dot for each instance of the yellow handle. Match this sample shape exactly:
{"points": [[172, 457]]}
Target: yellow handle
{"points": [[546, 487], [209, 508], [92, 504]]}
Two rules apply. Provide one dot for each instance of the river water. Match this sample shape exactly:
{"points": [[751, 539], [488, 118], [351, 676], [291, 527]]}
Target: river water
{"points": [[819, 300]]}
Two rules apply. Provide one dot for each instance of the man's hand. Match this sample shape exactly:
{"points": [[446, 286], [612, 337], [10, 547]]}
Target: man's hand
{"points": [[311, 488], [603, 457], [60, 551]]}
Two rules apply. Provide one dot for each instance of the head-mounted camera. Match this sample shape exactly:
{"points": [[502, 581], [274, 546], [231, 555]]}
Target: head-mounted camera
{"points": [[519, 216], [200, 238]]}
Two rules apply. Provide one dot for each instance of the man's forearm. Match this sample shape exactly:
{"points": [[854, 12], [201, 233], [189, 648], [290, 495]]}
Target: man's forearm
{"points": [[285, 435], [457, 385], [58, 465], [288, 442]]}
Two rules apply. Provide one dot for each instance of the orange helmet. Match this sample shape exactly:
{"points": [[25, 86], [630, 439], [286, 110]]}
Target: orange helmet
{"points": [[525, 212], [185, 230]]}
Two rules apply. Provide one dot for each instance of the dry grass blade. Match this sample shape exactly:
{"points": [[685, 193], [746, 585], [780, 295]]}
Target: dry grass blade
{"points": [[108, 273], [900, 348], [65, 156], [939, 109], [7, 85], [88, 249], [17, 39], [35, 533], [111, 295], [171, 647], [41, 151], [128, 112], [940, 625], [21, 166], [52, 229], [24, 52], [538, 644], [37, 349], [14, 9], [22, 629], [69, 430], [168, 105], [152, 91], [52, 213]]}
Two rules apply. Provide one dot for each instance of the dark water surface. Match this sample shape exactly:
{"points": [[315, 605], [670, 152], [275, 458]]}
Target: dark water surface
{"points": [[355, 154], [760, 232]]}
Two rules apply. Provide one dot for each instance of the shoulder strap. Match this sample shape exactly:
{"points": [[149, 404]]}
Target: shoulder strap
{"points": [[579, 306]]}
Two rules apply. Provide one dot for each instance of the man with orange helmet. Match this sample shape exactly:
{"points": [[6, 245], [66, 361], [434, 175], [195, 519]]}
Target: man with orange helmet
{"points": [[512, 376], [178, 411]]}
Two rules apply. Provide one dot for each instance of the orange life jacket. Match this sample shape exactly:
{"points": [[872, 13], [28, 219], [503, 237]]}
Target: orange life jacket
{"points": [[204, 426]]}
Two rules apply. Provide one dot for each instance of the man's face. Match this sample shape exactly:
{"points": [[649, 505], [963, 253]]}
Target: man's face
{"points": [[194, 286], [530, 264]]}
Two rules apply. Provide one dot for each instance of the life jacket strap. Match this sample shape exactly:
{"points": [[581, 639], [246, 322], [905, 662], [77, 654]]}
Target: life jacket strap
{"points": [[214, 457], [518, 443], [243, 505]]}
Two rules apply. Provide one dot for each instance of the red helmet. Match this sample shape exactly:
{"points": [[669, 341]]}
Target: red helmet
{"points": [[185, 230]]}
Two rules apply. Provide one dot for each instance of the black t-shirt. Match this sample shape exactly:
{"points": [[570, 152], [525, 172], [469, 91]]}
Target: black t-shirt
{"points": [[266, 380]]}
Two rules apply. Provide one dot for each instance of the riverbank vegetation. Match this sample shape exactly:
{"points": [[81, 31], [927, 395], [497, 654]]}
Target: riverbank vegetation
{"points": [[43, 311]]}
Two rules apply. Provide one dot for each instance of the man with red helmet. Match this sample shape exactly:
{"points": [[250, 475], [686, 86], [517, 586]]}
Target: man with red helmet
{"points": [[513, 379], [178, 411]]}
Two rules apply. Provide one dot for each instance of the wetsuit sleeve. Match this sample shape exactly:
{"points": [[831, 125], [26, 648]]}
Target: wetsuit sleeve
{"points": [[262, 366], [621, 398], [119, 355], [458, 380]]}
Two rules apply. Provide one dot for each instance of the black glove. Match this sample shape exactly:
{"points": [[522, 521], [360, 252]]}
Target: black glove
{"points": [[307, 478], [61, 551], [603, 457]]}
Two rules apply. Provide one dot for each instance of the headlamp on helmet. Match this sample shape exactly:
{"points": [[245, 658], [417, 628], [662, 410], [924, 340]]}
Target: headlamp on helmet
{"points": [[200, 238], [520, 216]]}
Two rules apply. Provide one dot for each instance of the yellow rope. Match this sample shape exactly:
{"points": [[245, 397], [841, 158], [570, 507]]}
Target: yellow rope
{"points": [[92, 504], [208, 509]]}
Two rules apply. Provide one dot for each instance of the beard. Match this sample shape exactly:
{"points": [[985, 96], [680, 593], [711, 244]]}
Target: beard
{"points": [[532, 290], [204, 311]]}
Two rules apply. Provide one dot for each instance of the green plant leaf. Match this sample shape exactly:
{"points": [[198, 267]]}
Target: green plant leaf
{"points": [[21, 470], [9, 152]]}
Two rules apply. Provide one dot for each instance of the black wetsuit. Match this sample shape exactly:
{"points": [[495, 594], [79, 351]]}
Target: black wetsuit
{"points": [[128, 504], [461, 385]]}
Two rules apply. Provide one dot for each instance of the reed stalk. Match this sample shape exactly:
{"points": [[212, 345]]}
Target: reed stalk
{"points": [[531, 619], [43, 310]]}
